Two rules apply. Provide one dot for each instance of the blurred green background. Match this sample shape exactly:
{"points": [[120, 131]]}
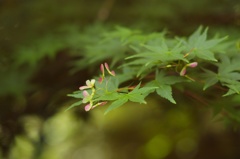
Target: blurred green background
{"points": [[41, 42]]}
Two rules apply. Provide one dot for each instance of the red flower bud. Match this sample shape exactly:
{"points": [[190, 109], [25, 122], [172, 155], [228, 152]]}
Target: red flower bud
{"points": [[193, 64]]}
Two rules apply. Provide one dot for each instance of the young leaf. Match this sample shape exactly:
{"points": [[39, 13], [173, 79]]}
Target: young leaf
{"points": [[209, 82], [122, 100], [233, 89], [165, 91], [228, 73], [211, 78], [74, 105], [138, 94], [137, 98], [169, 80], [108, 96], [201, 46], [160, 53], [76, 94]]}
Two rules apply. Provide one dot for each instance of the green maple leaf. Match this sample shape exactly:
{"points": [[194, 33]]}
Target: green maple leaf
{"points": [[116, 104], [108, 96], [161, 53], [122, 33], [161, 77], [163, 85], [163, 90], [156, 54], [76, 94], [228, 64], [229, 73], [74, 105], [109, 84], [137, 98], [233, 89], [138, 94], [211, 78], [200, 46]]}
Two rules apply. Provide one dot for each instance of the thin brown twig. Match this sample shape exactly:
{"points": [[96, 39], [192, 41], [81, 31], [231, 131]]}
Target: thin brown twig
{"points": [[196, 97]]}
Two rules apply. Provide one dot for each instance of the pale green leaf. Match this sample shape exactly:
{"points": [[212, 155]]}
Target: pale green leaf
{"points": [[136, 89], [165, 91], [108, 96], [233, 89], [74, 105], [211, 78], [162, 78], [145, 89], [202, 47], [122, 100], [205, 54], [76, 94], [137, 98], [138, 94], [209, 82]]}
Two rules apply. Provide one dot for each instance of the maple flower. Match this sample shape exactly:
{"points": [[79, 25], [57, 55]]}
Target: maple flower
{"points": [[103, 75], [89, 84], [107, 68], [99, 104], [90, 106], [184, 69], [86, 97], [193, 64], [87, 107], [102, 69], [100, 79]]}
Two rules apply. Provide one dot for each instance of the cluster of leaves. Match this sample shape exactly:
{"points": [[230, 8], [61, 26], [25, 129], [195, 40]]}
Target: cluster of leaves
{"points": [[156, 62]]}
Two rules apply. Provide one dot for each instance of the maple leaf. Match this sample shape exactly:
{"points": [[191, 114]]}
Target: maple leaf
{"points": [[229, 73], [200, 46]]}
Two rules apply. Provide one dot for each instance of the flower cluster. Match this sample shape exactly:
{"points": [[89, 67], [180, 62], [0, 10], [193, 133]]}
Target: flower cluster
{"points": [[103, 72], [184, 69], [90, 84]]}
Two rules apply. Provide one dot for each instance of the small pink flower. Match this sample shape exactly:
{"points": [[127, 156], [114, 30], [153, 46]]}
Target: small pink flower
{"points": [[87, 107], [102, 69], [99, 104], [193, 64], [103, 75], [100, 80], [85, 94], [107, 68], [102, 103], [89, 84], [86, 97], [113, 73], [183, 71]]}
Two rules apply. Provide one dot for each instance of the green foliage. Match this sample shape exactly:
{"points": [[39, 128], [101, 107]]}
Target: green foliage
{"points": [[43, 42], [163, 85], [201, 47], [14, 83], [45, 47], [160, 64]]}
